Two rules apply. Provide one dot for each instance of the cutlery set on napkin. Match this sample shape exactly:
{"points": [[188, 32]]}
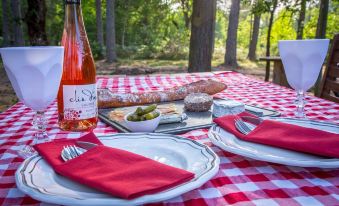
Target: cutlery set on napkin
{"points": [[282, 135], [117, 172]]}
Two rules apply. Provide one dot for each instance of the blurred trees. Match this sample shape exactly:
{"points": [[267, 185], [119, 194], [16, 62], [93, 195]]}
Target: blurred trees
{"points": [[202, 35], [271, 6], [5, 23], [162, 28], [124, 23], [301, 19], [232, 31], [100, 28], [186, 10], [252, 50], [35, 19], [322, 19], [17, 23], [111, 54]]}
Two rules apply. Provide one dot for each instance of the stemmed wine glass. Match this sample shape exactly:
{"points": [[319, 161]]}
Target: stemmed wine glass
{"points": [[302, 60], [35, 74]]}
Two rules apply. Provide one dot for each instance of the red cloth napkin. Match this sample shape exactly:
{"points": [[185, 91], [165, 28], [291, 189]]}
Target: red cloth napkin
{"points": [[286, 136], [118, 172]]}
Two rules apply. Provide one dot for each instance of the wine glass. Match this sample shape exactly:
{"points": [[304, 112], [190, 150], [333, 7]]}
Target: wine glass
{"points": [[35, 74], [302, 60]]}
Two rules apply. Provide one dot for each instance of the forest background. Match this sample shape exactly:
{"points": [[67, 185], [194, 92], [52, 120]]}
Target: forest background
{"points": [[156, 33]]}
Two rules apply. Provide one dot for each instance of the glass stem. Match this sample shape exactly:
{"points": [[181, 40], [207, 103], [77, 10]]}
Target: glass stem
{"points": [[300, 103], [40, 124]]}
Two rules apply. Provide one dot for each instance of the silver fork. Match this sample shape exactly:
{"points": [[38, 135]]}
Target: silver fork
{"points": [[242, 126], [71, 151]]}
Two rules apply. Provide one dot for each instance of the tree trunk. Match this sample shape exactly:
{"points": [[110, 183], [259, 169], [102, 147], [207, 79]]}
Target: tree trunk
{"points": [[232, 31], [124, 24], [35, 19], [100, 33], [123, 33], [322, 19], [17, 23], [268, 38], [202, 35], [5, 23], [301, 20], [254, 40], [111, 55]]}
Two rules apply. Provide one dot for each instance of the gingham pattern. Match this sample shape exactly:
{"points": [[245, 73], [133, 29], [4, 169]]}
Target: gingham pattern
{"points": [[240, 181]]}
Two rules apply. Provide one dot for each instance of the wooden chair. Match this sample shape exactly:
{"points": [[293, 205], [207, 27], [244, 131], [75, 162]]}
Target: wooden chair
{"points": [[279, 76], [329, 88]]}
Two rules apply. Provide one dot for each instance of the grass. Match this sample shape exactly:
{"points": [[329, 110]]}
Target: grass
{"points": [[218, 59], [128, 66], [151, 63]]}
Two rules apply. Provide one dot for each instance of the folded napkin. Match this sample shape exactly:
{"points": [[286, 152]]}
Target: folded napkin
{"points": [[286, 136], [118, 172]]}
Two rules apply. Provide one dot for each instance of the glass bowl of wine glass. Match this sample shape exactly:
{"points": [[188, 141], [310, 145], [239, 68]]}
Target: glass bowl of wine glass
{"points": [[35, 74], [302, 60]]}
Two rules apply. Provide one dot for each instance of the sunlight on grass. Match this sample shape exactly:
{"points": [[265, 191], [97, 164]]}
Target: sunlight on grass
{"points": [[152, 63], [247, 64], [218, 60]]}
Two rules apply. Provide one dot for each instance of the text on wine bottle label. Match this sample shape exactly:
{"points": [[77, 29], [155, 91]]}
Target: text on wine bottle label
{"points": [[80, 101]]}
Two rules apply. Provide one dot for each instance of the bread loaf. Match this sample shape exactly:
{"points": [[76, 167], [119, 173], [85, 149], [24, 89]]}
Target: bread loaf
{"points": [[107, 99]]}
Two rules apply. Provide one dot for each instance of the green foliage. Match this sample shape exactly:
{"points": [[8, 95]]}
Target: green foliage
{"points": [[244, 30], [220, 29], [97, 52], [283, 29], [153, 30], [333, 19], [311, 23], [54, 21]]}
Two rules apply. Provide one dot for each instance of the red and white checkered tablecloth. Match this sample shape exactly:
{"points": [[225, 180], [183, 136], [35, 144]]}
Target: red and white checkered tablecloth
{"points": [[240, 181]]}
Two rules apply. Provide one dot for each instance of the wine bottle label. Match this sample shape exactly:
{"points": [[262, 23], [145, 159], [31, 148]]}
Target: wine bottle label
{"points": [[80, 101]]}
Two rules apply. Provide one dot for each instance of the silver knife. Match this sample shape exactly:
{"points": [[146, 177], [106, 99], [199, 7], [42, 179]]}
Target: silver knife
{"points": [[86, 145]]}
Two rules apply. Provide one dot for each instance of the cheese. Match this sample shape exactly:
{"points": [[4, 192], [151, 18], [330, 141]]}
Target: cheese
{"points": [[227, 107]]}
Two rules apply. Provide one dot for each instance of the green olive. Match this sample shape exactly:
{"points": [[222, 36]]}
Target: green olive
{"points": [[148, 109], [151, 115], [134, 118], [138, 111], [129, 118]]}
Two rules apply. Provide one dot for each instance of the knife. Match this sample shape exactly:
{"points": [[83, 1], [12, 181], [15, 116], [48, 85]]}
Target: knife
{"points": [[86, 145]]}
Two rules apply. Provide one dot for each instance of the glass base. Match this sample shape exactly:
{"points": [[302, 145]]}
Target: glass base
{"points": [[300, 104], [27, 152], [39, 123], [299, 115]]}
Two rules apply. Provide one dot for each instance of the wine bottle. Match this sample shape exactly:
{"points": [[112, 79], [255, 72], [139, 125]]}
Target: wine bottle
{"points": [[77, 96]]}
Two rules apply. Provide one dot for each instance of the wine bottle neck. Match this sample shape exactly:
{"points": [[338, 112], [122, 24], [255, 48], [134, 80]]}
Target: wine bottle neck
{"points": [[73, 13]]}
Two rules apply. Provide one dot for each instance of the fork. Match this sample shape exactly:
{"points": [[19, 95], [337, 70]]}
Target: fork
{"points": [[71, 151], [242, 126]]}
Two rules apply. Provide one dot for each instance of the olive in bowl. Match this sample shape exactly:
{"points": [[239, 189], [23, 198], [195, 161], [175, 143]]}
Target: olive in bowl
{"points": [[143, 119]]}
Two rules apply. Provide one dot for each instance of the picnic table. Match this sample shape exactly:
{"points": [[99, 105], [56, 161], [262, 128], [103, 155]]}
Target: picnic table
{"points": [[240, 181], [279, 76]]}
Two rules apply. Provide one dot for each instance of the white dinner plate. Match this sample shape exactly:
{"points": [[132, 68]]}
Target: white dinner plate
{"points": [[231, 143], [38, 180]]}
